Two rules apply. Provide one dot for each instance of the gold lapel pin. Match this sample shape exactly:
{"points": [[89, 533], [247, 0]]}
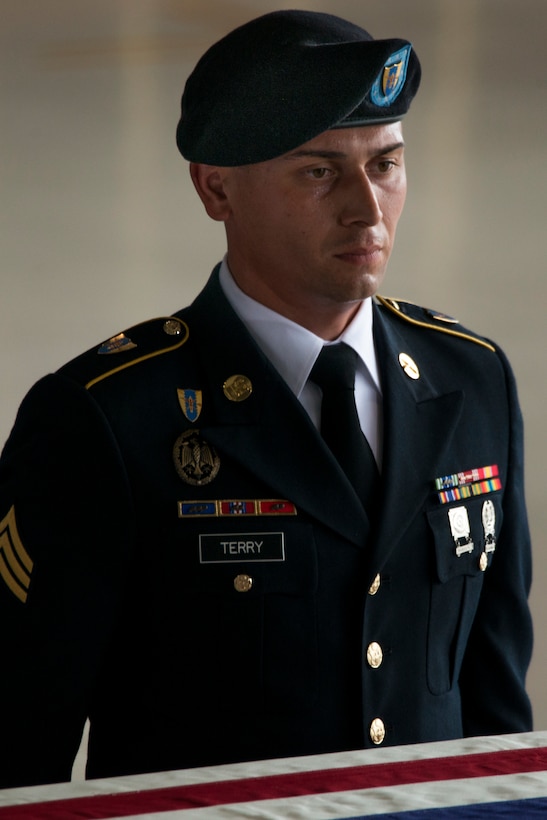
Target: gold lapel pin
{"points": [[409, 366], [237, 388]]}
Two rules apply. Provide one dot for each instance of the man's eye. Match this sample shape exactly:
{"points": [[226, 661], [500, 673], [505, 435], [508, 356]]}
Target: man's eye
{"points": [[385, 165], [319, 173]]}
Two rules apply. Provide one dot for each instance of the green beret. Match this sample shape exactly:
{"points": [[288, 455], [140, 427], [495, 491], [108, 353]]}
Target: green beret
{"points": [[283, 78]]}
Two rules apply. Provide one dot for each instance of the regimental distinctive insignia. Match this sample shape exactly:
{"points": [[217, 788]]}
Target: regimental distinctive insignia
{"points": [[409, 366], [442, 317], [237, 388], [389, 83], [478, 481], [489, 525], [235, 507], [117, 344], [15, 562], [390, 77], [190, 402], [461, 530], [196, 461]]}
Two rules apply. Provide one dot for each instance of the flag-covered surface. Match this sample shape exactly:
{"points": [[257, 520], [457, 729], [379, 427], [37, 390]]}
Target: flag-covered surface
{"points": [[487, 777]]}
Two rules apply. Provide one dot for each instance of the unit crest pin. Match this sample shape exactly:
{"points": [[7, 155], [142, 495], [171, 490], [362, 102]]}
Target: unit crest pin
{"points": [[191, 402], [117, 344]]}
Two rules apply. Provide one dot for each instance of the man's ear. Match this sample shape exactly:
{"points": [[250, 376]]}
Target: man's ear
{"points": [[209, 183]]}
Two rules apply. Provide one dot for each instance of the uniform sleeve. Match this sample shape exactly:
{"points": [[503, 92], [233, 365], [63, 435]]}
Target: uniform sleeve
{"points": [[66, 536], [494, 700]]}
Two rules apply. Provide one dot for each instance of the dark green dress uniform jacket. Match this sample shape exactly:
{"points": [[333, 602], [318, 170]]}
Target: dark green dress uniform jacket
{"points": [[138, 590]]}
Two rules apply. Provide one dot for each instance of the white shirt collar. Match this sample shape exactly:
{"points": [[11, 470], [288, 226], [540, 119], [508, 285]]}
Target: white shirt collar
{"points": [[290, 347]]}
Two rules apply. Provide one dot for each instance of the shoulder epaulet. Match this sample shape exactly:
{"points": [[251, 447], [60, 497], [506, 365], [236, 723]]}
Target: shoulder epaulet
{"points": [[137, 344], [431, 319]]}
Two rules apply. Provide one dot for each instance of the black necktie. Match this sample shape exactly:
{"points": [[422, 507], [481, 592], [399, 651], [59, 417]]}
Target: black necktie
{"points": [[334, 372]]}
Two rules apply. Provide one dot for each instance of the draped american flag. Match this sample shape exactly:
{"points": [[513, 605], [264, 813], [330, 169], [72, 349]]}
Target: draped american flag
{"points": [[502, 776]]}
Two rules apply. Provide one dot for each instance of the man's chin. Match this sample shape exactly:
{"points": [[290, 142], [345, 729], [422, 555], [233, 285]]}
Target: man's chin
{"points": [[366, 286]]}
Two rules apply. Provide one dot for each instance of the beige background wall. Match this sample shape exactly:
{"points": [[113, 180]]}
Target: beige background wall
{"points": [[100, 227]]}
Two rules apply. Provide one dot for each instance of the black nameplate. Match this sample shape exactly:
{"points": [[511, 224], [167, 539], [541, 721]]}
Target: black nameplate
{"points": [[241, 546]]}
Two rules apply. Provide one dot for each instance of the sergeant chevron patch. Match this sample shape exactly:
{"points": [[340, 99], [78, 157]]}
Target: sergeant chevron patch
{"points": [[15, 562]]}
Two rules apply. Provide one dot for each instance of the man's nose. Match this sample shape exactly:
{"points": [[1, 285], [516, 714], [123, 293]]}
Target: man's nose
{"points": [[360, 201]]}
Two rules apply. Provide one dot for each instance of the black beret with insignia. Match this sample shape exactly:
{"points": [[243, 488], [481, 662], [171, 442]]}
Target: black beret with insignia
{"points": [[283, 78]]}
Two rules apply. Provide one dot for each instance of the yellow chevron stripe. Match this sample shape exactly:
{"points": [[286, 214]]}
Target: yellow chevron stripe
{"points": [[11, 583], [15, 562]]}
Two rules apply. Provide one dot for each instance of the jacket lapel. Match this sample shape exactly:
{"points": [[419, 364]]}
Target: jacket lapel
{"points": [[272, 436], [418, 428], [269, 433]]}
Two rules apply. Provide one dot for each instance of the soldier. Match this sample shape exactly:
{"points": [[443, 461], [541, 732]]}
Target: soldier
{"points": [[200, 551]]}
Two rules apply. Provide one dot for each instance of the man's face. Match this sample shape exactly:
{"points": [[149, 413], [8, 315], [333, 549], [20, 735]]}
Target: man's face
{"points": [[312, 231]]}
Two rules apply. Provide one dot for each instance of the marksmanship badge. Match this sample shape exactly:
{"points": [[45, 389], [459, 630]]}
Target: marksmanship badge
{"points": [[460, 529], [489, 525], [195, 460]]}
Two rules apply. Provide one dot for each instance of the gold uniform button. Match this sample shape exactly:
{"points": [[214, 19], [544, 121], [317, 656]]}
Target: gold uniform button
{"points": [[377, 731], [375, 656], [172, 327], [243, 583], [375, 586], [483, 562]]}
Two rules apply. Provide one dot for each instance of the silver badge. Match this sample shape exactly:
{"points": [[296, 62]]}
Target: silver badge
{"points": [[489, 525], [460, 529]]}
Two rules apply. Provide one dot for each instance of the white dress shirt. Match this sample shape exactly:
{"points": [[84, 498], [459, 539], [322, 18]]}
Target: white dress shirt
{"points": [[293, 350]]}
